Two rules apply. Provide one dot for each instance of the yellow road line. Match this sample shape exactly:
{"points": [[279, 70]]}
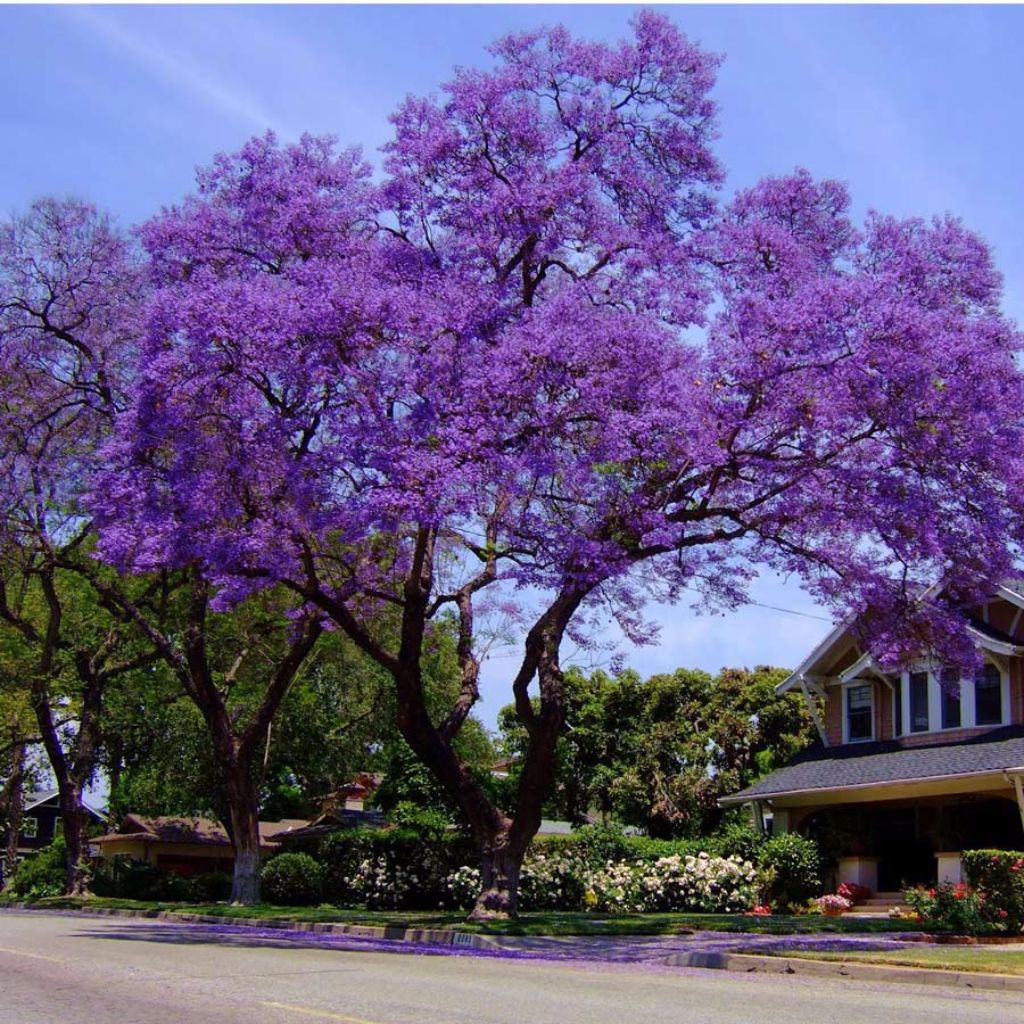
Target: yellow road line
{"points": [[325, 1014], [33, 956]]}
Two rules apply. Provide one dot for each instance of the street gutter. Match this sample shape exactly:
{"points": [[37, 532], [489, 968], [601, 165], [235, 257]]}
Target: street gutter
{"points": [[750, 963]]}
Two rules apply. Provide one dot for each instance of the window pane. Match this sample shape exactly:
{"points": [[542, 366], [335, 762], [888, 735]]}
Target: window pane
{"points": [[918, 701], [988, 696], [858, 712], [950, 700], [30, 828], [898, 701]]}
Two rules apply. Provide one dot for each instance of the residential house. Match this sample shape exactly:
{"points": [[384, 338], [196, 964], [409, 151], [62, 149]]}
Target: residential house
{"points": [[911, 767], [184, 845], [41, 820]]}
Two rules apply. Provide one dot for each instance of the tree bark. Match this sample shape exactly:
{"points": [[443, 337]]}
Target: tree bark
{"points": [[75, 822], [501, 863], [243, 806], [14, 800]]}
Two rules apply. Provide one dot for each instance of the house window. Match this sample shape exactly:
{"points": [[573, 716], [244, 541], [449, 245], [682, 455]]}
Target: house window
{"points": [[859, 718], [950, 692], [918, 701], [897, 700], [30, 828], [988, 696]]}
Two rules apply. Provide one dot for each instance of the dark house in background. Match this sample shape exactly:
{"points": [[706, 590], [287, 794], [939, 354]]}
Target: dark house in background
{"points": [[41, 821]]}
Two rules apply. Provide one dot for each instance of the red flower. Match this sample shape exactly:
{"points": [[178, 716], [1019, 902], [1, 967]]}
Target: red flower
{"points": [[1003, 913]]}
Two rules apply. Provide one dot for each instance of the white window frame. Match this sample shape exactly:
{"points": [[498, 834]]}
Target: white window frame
{"points": [[968, 713], [846, 710], [26, 833]]}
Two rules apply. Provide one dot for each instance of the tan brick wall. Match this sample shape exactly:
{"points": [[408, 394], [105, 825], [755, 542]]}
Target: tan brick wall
{"points": [[1017, 691], [883, 712], [834, 715]]}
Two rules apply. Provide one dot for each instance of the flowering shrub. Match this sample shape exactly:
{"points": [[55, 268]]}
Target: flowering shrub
{"points": [[391, 869], [552, 881], [853, 892], [761, 910], [700, 884], [833, 902], [999, 874], [954, 908]]}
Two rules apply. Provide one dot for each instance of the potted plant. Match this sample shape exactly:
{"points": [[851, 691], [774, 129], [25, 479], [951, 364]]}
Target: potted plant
{"points": [[833, 905]]}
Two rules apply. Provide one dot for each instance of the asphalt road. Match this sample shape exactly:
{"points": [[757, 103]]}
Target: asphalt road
{"points": [[59, 969]]}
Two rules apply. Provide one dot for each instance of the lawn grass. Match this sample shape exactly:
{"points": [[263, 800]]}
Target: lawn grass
{"points": [[988, 959], [538, 923]]}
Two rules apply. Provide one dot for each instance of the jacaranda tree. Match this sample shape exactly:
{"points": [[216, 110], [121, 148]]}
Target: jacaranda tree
{"points": [[71, 290], [538, 369]]}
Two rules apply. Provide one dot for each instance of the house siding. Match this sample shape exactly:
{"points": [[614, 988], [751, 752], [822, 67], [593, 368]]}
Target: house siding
{"points": [[1017, 691], [834, 716], [883, 709]]}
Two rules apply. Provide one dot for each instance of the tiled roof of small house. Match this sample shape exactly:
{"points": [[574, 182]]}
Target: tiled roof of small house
{"points": [[868, 764], [193, 830]]}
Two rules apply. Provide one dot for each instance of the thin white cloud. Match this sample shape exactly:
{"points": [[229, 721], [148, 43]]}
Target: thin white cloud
{"points": [[182, 74]]}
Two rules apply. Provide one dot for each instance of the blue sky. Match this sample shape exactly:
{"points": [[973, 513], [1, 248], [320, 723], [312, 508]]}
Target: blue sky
{"points": [[917, 108]]}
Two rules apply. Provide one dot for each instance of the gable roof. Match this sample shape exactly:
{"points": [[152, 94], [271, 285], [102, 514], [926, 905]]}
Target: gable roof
{"points": [[192, 830], [987, 636], [44, 796], [868, 764]]}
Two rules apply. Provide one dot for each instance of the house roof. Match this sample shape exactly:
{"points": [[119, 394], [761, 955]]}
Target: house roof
{"points": [[331, 821], [192, 830], [44, 796], [987, 637], [867, 764]]}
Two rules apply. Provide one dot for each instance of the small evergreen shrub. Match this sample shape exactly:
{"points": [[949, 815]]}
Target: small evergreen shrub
{"points": [[209, 887], [792, 871], [293, 880], [128, 879]]}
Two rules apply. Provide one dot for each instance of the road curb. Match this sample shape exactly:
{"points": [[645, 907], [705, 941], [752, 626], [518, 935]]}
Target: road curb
{"points": [[394, 933], [750, 963]]}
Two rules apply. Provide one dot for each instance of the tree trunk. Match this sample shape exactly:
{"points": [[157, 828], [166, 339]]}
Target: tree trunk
{"points": [[245, 836], [15, 800], [73, 817], [500, 865]]}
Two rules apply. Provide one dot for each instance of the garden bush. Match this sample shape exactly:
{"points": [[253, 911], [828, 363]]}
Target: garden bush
{"points": [[952, 908], [557, 880], [999, 875], [292, 880], [40, 875], [209, 887], [127, 879], [596, 867], [391, 869], [792, 871]]}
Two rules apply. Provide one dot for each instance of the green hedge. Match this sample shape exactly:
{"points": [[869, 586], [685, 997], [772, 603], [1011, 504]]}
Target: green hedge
{"points": [[999, 874], [391, 869], [292, 880], [404, 869]]}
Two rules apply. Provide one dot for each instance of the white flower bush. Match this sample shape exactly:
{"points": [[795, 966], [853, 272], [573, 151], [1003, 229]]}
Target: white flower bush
{"points": [[701, 884]]}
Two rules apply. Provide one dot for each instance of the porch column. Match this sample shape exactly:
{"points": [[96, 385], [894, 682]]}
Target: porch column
{"points": [[859, 871], [949, 867]]}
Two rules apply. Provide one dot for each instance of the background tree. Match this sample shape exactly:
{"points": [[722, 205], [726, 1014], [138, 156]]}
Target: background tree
{"points": [[483, 381], [70, 289], [658, 753]]}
